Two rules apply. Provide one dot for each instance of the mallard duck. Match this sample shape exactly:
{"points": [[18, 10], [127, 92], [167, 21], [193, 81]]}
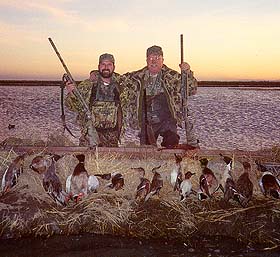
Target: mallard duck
{"points": [[41, 163], [244, 185], [156, 185], [221, 167], [208, 184], [176, 173], [230, 191], [145, 185], [186, 186], [53, 186], [270, 185], [79, 184], [12, 174], [117, 181], [78, 187]]}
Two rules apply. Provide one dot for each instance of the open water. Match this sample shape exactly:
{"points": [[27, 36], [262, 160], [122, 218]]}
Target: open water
{"points": [[224, 118]]}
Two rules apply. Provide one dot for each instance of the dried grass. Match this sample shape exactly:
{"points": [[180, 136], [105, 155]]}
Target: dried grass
{"points": [[117, 212]]}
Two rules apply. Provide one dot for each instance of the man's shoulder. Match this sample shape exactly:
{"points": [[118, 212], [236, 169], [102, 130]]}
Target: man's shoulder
{"points": [[116, 77], [85, 85], [136, 74], [85, 82], [168, 71]]}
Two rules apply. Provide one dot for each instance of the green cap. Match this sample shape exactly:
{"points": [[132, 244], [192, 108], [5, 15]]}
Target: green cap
{"points": [[106, 56], [154, 50]]}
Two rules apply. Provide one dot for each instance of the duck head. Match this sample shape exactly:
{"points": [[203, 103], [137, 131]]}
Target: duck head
{"points": [[80, 157], [270, 185], [141, 171], [203, 162], [246, 166], [40, 164], [188, 175], [228, 160], [178, 158], [117, 181], [260, 167]]}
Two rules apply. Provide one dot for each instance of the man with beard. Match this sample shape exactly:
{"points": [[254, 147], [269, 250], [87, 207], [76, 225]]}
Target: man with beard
{"points": [[102, 95]]}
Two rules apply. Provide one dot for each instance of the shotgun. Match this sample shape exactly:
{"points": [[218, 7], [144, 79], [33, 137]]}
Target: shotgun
{"points": [[184, 89], [93, 136]]}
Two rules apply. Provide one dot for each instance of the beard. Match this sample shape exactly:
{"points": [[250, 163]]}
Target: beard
{"points": [[106, 73]]}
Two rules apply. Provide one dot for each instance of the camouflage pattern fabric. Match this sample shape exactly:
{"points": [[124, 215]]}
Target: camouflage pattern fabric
{"points": [[105, 114], [131, 97], [108, 136]]}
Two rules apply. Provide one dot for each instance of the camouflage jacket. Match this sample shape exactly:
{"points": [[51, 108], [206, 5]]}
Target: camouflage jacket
{"points": [[85, 88], [133, 83]]}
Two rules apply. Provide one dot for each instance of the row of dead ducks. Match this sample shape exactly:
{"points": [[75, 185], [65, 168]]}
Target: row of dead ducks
{"points": [[216, 174]]}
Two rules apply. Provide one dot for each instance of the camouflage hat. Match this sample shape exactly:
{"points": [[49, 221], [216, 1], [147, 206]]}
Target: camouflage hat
{"points": [[154, 50], [106, 56]]}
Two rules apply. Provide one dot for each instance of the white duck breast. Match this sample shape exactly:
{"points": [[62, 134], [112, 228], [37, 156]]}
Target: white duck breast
{"points": [[185, 189], [93, 183], [79, 184], [176, 173], [173, 176], [4, 180], [186, 186], [68, 184], [221, 171]]}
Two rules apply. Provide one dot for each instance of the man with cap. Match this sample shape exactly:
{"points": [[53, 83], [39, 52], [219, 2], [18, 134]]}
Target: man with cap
{"points": [[102, 95], [151, 99]]}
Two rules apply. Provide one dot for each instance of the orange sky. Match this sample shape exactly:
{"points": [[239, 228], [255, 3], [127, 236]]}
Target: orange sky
{"points": [[224, 40]]}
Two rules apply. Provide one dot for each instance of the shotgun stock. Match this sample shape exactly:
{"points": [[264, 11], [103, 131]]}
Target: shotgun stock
{"points": [[93, 136]]}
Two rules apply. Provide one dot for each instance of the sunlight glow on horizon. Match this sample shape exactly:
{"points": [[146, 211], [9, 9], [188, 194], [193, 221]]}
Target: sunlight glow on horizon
{"points": [[222, 41]]}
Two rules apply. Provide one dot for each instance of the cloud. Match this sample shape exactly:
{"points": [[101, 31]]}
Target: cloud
{"points": [[62, 16]]}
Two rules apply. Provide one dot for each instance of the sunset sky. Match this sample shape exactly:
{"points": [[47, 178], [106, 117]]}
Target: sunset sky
{"points": [[224, 39]]}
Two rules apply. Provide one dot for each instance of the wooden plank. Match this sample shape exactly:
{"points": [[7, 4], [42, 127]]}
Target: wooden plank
{"points": [[144, 152]]}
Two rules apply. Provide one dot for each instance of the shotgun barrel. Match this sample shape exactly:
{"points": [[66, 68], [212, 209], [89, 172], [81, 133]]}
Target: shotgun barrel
{"points": [[184, 88], [93, 136]]}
